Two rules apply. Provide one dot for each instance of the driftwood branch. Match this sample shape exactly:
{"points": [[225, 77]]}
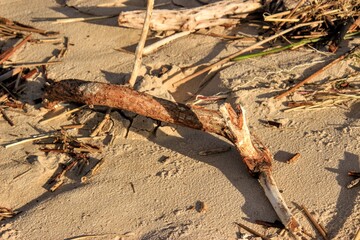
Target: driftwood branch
{"points": [[226, 122], [191, 19]]}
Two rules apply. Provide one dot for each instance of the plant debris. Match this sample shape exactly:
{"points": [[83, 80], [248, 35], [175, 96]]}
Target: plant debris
{"points": [[6, 213]]}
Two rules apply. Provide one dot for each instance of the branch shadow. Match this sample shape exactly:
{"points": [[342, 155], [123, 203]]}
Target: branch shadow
{"points": [[256, 206], [347, 197], [41, 199]]}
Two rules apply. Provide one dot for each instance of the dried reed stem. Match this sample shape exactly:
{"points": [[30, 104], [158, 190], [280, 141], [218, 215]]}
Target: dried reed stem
{"points": [[141, 44]]}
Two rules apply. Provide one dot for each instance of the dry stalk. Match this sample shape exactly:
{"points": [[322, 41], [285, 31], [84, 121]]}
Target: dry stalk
{"points": [[155, 46], [141, 44], [31, 139], [92, 171]]}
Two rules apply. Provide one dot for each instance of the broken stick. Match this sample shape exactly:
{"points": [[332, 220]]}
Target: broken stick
{"points": [[8, 53], [226, 123], [236, 122]]}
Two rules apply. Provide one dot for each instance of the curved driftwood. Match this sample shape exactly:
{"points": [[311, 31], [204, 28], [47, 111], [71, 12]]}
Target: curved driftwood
{"points": [[214, 14], [225, 122]]}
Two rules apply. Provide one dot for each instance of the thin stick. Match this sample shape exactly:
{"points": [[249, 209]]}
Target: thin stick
{"points": [[65, 48], [30, 139], [301, 2], [315, 223], [101, 124], [8, 53], [311, 77], [140, 47], [252, 231], [9, 74], [294, 158], [72, 20], [153, 47], [29, 65], [62, 114], [252, 47], [6, 117], [92, 171]]}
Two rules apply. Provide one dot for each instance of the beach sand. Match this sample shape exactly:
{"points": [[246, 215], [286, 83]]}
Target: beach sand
{"points": [[154, 179]]}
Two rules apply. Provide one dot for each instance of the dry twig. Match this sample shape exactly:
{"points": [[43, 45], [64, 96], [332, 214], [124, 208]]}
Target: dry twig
{"points": [[141, 44], [252, 231], [315, 223]]}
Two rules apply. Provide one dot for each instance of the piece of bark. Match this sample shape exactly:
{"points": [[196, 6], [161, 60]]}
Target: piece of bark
{"points": [[225, 122], [214, 14]]}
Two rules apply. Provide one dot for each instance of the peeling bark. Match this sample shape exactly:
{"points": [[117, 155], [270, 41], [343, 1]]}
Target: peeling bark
{"points": [[225, 122]]}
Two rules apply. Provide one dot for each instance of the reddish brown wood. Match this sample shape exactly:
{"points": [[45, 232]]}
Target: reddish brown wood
{"points": [[8, 53], [122, 97]]}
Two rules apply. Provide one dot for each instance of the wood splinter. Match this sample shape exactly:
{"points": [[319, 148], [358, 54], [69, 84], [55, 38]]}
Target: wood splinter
{"points": [[225, 122]]}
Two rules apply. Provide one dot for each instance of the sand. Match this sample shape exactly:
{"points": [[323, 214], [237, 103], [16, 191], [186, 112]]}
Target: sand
{"points": [[151, 185]]}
